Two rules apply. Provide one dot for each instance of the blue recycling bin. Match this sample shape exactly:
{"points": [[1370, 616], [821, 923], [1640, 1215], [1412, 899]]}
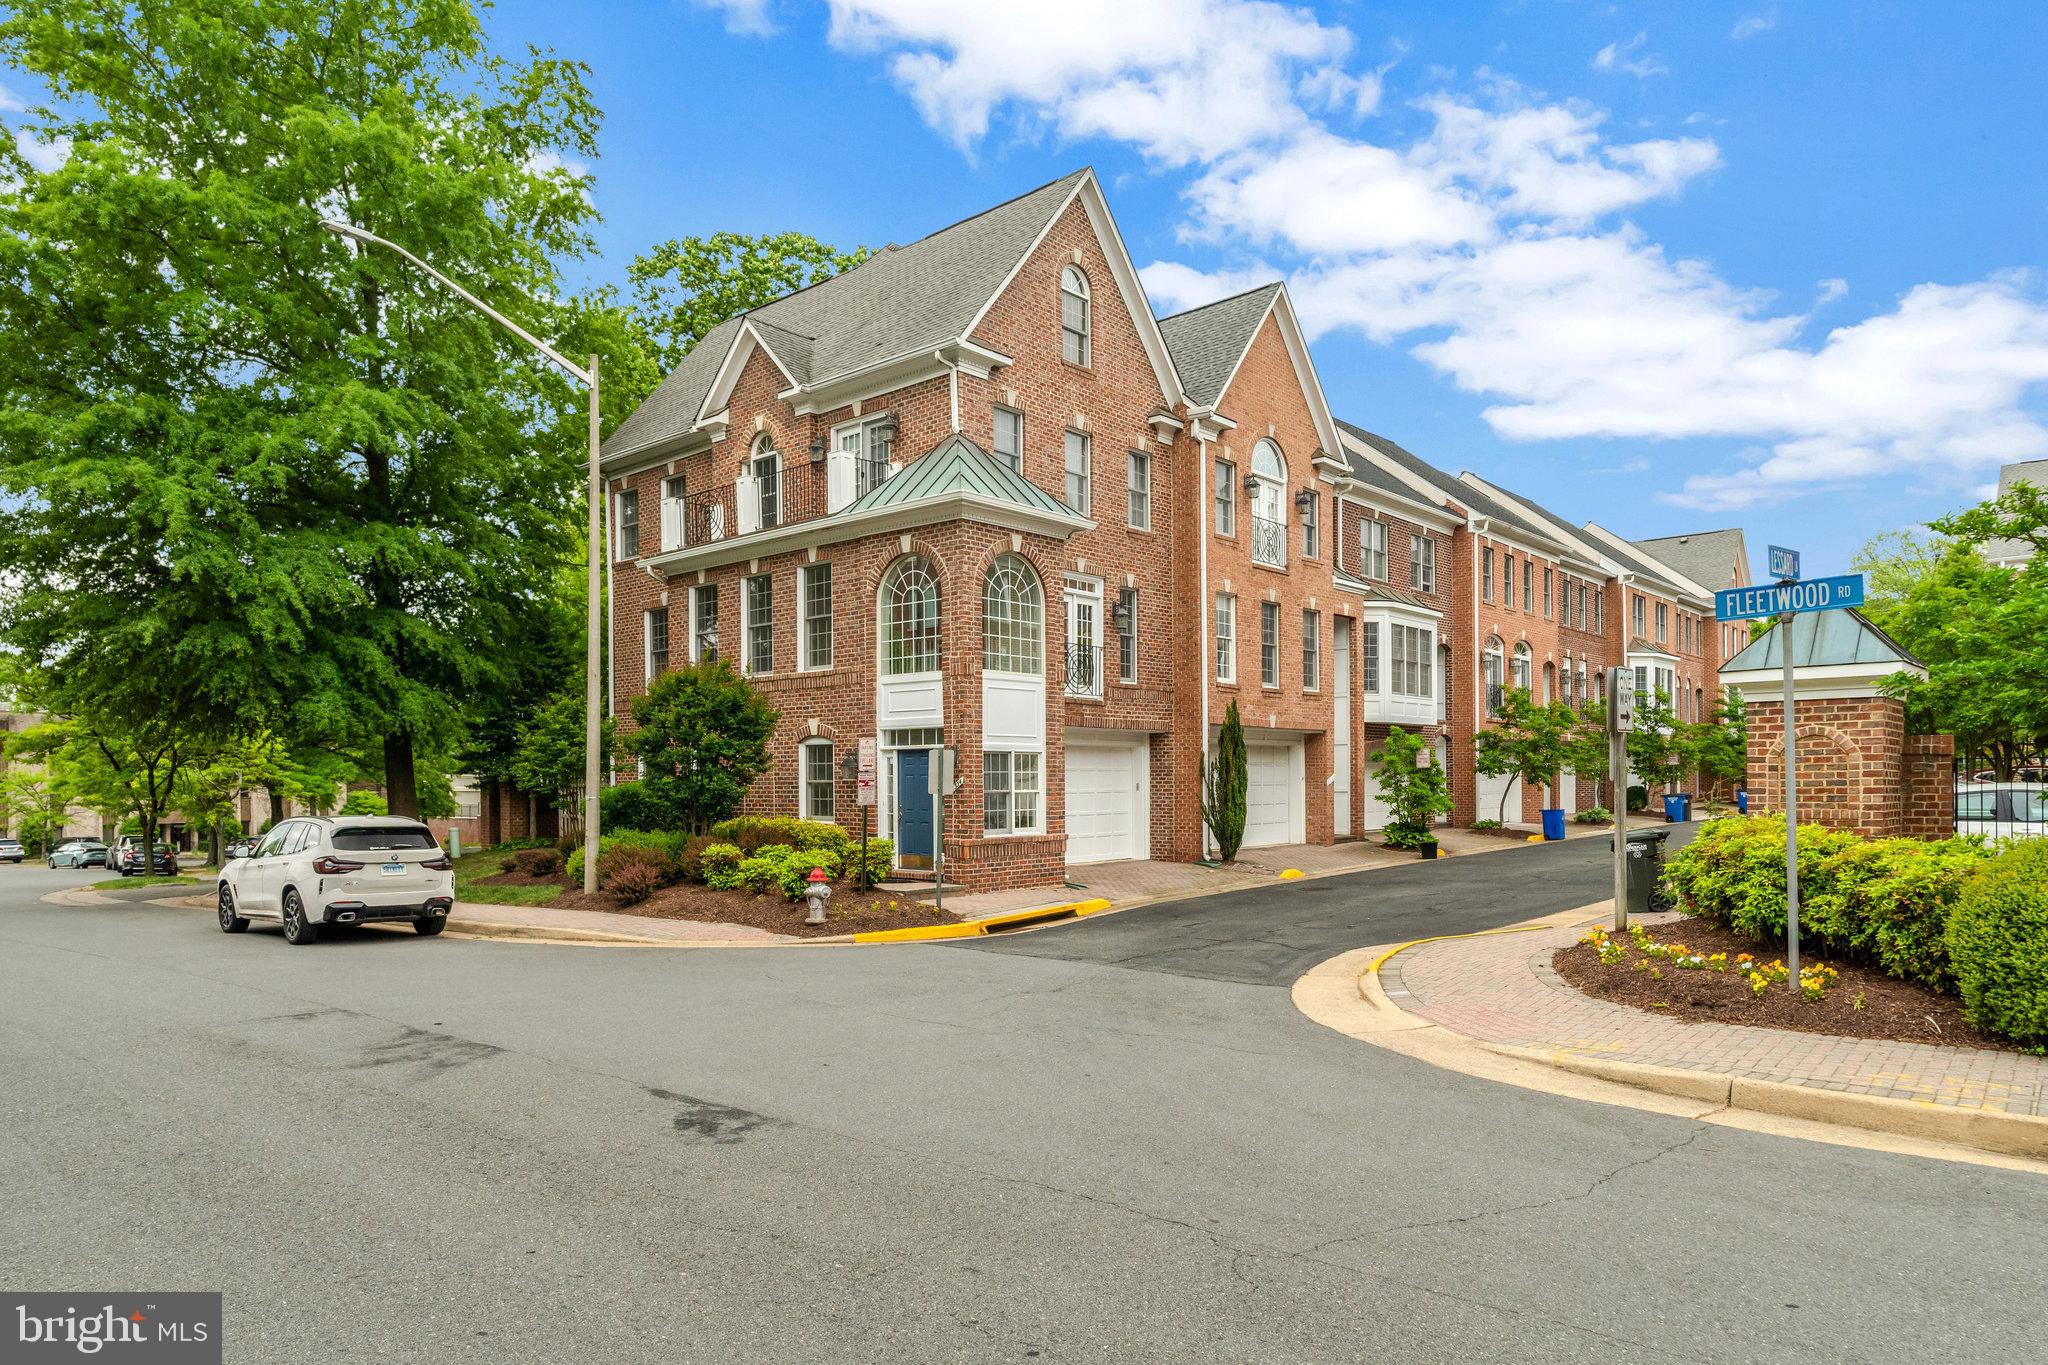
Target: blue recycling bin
{"points": [[1674, 808], [1742, 800], [1553, 825]]}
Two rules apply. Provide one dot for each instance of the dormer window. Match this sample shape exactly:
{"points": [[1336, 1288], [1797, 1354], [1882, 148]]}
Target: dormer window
{"points": [[1074, 320]]}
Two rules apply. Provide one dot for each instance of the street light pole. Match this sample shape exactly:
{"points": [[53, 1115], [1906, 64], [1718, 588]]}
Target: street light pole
{"points": [[592, 696]]}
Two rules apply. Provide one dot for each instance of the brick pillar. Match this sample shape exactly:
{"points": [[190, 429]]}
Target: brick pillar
{"points": [[1858, 769]]}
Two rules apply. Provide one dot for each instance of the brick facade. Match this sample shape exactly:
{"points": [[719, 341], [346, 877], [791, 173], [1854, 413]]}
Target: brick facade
{"points": [[1858, 768]]}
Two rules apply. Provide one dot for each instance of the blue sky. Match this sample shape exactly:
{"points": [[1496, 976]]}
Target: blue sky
{"points": [[1667, 266]]}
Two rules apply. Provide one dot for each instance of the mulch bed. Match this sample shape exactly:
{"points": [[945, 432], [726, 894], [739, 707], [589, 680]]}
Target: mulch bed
{"points": [[1889, 1009], [849, 912]]}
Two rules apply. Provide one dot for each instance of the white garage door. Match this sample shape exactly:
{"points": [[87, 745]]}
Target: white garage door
{"points": [[1377, 812], [1106, 805], [1490, 791], [1272, 795]]}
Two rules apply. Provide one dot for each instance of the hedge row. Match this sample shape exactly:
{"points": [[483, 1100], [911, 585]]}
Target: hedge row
{"points": [[760, 853], [1949, 914]]}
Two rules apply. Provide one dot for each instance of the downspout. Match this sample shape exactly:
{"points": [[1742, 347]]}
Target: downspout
{"points": [[1203, 666], [611, 653], [953, 386]]}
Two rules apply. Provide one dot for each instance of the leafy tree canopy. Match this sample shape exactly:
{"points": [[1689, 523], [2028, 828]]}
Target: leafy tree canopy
{"points": [[684, 287], [702, 738]]}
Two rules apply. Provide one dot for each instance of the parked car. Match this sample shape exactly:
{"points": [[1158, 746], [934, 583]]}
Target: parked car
{"points": [[79, 853], [238, 848], [128, 861], [2031, 773], [11, 850], [315, 871], [2002, 810]]}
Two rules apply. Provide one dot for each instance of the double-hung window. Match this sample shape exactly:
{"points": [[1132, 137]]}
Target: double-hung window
{"points": [[1010, 438], [1311, 650], [1074, 322], [1636, 616], [1486, 573], [818, 775], [703, 622], [1312, 526], [1140, 467], [1226, 637], [1269, 644], [1009, 792], [1079, 494], [1507, 579], [758, 609], [1412, 666], [1663, 621], [1371, 655], [1421, 563], [1529, 586], [1372, 546], [628, 523], [657, 643], [814, 603], [1546, 591], [1226, 498], [1127, 635], [1600, 611]]}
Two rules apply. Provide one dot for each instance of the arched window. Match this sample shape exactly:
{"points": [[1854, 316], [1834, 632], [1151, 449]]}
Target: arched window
{"points": [[1550, 683], [1012, 618], [910, 617], [1493, 664], [1269, 504], [1074, 319], [1522, 666], [764, 467]]}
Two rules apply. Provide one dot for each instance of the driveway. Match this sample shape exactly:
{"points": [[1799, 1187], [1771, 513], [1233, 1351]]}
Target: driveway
{"points": [[1091, 1144]]}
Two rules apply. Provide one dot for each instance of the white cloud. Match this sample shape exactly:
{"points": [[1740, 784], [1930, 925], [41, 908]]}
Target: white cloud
{"points": [[1490, 246], [11, 103], [1630, 57], [1145, 72], [44, 156], [749, 17], [1750, 25]]}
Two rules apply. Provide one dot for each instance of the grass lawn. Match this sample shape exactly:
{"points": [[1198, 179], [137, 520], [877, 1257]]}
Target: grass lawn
{"points": [[116, 883], [472, 868]]}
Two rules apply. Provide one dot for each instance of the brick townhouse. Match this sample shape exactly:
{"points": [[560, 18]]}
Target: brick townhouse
{"points": [[973, 494]]}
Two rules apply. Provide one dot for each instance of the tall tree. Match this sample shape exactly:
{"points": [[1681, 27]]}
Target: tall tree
{"points": [[1226, 785], [684, 287], [250, 475], [1529, 739]]}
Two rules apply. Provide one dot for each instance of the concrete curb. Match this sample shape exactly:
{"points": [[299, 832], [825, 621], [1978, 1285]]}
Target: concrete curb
{"points": [[989, 924], [1344, 993]]}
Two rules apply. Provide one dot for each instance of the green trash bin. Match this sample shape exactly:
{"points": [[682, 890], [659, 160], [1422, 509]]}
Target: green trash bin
{"points": [[1645, 867]]}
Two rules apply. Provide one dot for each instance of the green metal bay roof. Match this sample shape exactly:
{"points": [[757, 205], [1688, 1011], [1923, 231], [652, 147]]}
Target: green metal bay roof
{"points": [[1824, 639], [957, 465]]}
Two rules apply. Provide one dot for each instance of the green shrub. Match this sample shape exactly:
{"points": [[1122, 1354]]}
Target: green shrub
{"points": [[881, 852], [752, 833], [664, 846], [720, 864], [633, 882], [1998, 944], [1402, 835], [1638, 797], [690, 857], [365, 803], [1486, 824], [629, 806], [1594, 815], [614, 861], [568, 843]]}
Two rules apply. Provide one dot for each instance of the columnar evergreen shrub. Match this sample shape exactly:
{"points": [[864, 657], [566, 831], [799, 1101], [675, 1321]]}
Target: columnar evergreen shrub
{"points": [[1224, 787], [1998, 944]]}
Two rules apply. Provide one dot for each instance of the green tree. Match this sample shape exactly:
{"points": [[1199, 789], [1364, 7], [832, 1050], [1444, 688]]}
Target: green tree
{"points": [[1588, 750], [684, 287], [251, 474], [1413, 786], [1528, 740], [1718, 747], [1225, 786], [702, 737], [1656, 745], [115, 766], [31, 805], [550, 756], [365, 803]]}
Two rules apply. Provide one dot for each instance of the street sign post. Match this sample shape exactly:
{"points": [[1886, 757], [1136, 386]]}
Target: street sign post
{"points": [[1789, 597], [1621, 718]]}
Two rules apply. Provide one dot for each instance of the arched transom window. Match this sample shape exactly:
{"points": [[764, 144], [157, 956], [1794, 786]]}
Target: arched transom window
{"points": [[1522, 665], [1013, 618], [1269, 504], [1074, 320], [910, 617]]}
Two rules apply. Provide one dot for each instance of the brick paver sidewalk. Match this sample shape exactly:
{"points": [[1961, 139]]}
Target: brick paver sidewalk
{"points": [[1501, 989], [540, 917]]}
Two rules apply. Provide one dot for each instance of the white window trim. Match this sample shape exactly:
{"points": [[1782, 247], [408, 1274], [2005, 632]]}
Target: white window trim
{"points": [[996, 426], [1217, 506], [1366, 527], [690, 612], [1133, 462], [1229, 674], [1086, 331], [804, 574], [619, 524], [1038, 829], [1311, 634], [803, 779], [747, 627], [647, 641], [1087, 471], [1270, 610]]}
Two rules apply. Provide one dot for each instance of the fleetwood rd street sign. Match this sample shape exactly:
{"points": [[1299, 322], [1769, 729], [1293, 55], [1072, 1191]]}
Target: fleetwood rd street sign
{"points": [[1770, 599]]}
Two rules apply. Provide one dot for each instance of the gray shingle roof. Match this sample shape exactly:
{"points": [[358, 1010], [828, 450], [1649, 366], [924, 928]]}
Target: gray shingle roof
{"points": [[957, 465], [1708, 558], [897, 302], [1450, 486], [1845, 636], [1627, 555], [1207, 342]]}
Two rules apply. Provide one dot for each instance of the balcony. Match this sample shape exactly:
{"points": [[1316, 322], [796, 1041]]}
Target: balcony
{"points": [[1084, 671], [1269, 541], [792, 493]]}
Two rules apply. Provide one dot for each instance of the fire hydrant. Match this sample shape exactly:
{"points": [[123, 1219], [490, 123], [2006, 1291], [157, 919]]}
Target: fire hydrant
{"points": [[817, 893]]}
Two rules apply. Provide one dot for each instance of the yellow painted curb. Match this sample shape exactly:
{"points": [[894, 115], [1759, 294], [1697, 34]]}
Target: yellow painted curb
{"points": [[1290, 874], [1372, 969], [978, 927]]}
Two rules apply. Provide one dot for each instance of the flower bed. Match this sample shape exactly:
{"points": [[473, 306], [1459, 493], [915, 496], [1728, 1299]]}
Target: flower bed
{"points": [[1697, 972]]}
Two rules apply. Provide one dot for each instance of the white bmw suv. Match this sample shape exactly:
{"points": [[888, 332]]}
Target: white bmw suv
{"points": [[339, 869]]}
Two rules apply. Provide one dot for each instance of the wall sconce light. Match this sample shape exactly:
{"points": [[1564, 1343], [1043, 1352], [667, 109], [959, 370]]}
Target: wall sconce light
{"points": [[817, 452], [1251, 483], [1305, 499]]}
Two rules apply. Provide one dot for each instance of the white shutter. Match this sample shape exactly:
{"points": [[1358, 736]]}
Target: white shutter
{"points": [[749, 493], [838, 480], [671, 524]]}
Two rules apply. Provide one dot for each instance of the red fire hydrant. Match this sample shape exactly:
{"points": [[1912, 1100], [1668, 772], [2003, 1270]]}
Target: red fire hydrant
{"points": [[817, 893]]}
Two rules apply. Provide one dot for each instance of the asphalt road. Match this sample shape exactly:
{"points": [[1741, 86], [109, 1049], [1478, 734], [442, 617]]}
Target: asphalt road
{"points": [[1109, 1142]]}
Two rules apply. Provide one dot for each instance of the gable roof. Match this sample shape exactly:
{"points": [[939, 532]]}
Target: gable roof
{"points": [[1447, 487], [901, 301], [1207, 342], [1822, 639], [1560, 531], [957, 465], [2010, 552], [1708, 558], [1632, 558]]}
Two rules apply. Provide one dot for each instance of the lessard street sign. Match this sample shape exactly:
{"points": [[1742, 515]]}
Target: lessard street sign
{"points": [[1777, 599], [1784, 563]]}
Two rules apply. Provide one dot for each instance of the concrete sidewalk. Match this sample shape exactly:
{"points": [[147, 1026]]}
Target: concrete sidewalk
{"points": [[1501, 989]]}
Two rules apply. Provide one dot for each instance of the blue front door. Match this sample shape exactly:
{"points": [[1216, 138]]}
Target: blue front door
{"points": [[913, 808]]}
